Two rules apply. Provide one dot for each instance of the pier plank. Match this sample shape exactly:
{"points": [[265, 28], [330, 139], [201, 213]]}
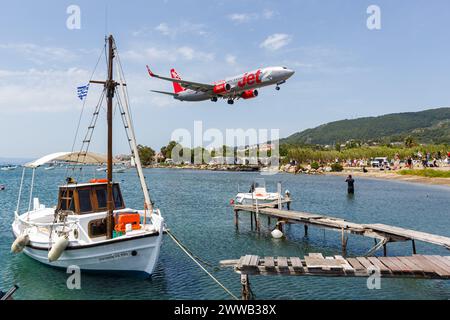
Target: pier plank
{"points": [[296, 263], [355, 264], [393, 265], [365, 262], [379, 264], [412, 266], [443, 260], [282, 262], [430, 266], [345, 265], [442, 268], [269, 262]]}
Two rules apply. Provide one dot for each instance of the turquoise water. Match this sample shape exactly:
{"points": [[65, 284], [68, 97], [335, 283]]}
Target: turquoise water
{"points": [[196, 207]]}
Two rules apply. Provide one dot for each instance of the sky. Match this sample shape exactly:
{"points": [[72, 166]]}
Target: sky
{"points": [[344, 70]]}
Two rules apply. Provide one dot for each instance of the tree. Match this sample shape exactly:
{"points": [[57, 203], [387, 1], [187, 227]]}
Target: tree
{"points": [[167, 150], [409, 142], [146, 154]]}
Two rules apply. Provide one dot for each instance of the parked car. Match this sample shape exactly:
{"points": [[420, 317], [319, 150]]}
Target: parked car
{"points": [[379, 162]]}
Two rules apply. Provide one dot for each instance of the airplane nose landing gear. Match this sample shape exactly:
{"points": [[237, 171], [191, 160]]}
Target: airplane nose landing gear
{"points": [[214, 99], [277, 88], [230, 101]]}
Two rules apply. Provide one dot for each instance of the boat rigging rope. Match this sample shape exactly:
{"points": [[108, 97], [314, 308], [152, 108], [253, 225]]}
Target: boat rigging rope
{"points": [[198, 263]]}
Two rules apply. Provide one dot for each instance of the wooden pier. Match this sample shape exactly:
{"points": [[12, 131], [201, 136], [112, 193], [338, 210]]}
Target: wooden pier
{"points": [[382, 233], [315, 264]]}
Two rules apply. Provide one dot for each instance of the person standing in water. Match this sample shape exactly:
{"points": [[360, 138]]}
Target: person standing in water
{"points": [[350, 184]]}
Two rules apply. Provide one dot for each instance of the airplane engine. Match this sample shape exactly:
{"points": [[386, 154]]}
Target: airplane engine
{"points": [[222, 88], [249, 94]]}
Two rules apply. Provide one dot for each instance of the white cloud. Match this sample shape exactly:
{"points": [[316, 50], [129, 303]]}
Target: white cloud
{"points": [[248, 17], [40, 90], [230, 59], [242, 17], [268, 14], [40, 54], [164, 29], [172, 31], [185, 53], [276, 41]]}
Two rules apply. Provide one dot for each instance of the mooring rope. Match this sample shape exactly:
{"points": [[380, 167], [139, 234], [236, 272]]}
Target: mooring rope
{"points": [[198, 263]]}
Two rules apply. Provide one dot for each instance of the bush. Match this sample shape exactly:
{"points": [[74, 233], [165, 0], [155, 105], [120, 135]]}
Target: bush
{"points": [[337, 167], [315, 165]]}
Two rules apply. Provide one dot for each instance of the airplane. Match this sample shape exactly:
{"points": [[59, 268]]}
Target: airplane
{"points": [[243, 86]]}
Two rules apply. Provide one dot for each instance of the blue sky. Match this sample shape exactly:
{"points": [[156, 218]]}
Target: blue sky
{"points": [[343, 69]]}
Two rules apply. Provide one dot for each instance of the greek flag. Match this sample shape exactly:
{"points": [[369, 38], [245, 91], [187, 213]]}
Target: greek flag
{"points": [[82, 91]]}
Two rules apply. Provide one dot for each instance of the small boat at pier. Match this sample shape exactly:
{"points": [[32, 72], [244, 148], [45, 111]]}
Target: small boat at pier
{"points": [[258, 194]]}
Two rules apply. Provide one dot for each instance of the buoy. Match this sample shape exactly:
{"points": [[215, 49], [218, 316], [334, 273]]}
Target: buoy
{"points": [[277, 234], [20, 243], [58, 248]]}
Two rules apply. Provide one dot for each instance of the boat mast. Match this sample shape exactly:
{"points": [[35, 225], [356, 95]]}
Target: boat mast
{"points": [[110, 87]]}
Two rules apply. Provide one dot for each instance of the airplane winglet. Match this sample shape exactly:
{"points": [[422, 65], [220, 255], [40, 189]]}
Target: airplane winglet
{"points": [[151, 74]]}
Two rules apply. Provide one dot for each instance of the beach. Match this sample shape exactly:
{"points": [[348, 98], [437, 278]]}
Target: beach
{"points": [[391, 175]]}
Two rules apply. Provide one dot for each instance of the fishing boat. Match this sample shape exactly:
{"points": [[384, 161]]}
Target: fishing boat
{"points": [[91, 226], [257, 194], [8, 168]]}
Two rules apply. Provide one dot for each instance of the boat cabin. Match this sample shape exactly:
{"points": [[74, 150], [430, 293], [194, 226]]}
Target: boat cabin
{"points": [[87, 198]]}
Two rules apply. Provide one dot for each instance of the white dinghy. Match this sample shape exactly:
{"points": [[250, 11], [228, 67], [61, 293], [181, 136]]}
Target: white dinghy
{"points": [[91, 226]]}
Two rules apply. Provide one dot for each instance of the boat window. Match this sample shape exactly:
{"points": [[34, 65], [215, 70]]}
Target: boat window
{"points": [[97, 228], [66, 201], [101, 197], [118, 203], [84, 198]]}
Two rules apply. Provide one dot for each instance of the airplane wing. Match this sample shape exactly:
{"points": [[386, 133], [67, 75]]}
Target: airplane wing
{"points": [[165, 92], [186, 84]]}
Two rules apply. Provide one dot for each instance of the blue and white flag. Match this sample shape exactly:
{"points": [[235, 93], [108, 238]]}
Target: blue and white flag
{"points": [[82, 91]]}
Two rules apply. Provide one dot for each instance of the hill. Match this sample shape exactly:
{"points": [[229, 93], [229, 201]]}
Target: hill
{"points": [[428, 126]]}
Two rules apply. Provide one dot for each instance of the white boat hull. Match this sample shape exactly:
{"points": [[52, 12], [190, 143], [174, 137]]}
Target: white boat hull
{"points": [[133, 255]]}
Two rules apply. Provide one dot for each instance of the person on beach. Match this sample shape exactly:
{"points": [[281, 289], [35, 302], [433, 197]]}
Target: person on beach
{"points": [[350, 184]]}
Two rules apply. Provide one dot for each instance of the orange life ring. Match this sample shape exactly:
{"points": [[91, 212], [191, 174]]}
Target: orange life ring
{"points": [[98, 180]]}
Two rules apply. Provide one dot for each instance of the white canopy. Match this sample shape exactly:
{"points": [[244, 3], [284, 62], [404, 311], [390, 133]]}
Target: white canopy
{"points": [[74, 157]]}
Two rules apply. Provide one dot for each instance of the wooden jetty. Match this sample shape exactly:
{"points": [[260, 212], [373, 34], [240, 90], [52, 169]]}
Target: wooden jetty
{"points": [[315, 264], [382, 233]]}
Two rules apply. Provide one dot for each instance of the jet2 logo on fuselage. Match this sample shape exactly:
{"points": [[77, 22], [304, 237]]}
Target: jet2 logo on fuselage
{"points": [[250, 79]]}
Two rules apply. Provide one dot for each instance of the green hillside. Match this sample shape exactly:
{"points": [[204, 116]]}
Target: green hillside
{"points": [[429, 126]]}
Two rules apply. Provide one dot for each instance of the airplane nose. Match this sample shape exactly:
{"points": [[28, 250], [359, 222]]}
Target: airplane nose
{"points": [[290, 72]]}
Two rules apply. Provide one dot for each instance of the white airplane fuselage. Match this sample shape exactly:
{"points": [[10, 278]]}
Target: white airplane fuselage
{"points": [[241, 83]]}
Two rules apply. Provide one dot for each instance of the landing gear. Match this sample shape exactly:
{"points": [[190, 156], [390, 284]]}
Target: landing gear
{"points": [[230, 101], [277, 88], [214, 99]]}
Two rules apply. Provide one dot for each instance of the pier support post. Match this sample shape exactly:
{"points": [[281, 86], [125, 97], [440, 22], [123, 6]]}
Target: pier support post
{"points": [[344, 240], [245, 287], [236, 218], [384, 250], [251, 220], [413, 246], [268, 221], [306, 230], [258, 222]]}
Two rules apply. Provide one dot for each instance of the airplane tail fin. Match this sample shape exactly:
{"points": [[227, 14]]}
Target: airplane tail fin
{"points": [[176, 86]]}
